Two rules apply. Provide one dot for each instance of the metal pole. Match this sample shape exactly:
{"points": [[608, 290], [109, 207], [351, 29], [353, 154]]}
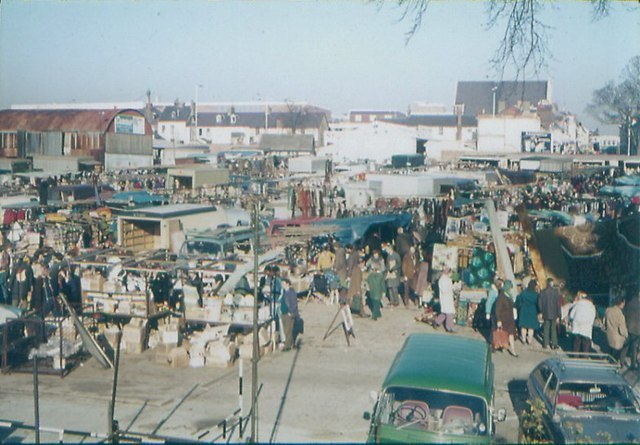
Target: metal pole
{"points": [[112, 427], [240, 395], [36, 401], [629, 138], [254, 356], [493, 90]]}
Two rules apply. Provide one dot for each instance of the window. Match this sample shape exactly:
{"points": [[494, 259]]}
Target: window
{"points": [[218, 119], [163, 128], [550, 389], [358, 118], [199, 131], [433, 410], [440, 131]]}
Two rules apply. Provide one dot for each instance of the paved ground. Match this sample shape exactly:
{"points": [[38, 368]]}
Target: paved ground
{"points": [[317, 393]]}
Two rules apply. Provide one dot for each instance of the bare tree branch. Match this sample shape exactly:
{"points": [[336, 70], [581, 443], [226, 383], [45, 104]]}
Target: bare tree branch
{"points": [[524, 43], [600, 8], [618, 103]]}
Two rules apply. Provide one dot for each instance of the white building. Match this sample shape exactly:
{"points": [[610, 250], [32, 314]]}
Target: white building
{"points": [[602, 142], [569, 136], [503, 133], [173, 124], [376, 141], [244, 123]]}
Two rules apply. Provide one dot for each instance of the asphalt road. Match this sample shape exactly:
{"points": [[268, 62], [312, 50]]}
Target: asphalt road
{"points": [[317, 393]]}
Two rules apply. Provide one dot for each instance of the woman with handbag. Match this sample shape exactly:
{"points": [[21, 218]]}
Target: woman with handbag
{"points": [[505, 323]]}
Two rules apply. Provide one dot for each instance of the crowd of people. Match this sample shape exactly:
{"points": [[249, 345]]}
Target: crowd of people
{"points": [[519, 316], [374, 273]]}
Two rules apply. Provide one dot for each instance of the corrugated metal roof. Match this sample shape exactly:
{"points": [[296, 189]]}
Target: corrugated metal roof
{"points": [[59, 120]]}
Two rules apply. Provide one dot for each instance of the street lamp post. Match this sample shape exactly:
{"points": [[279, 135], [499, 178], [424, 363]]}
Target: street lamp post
{"points": [[630, 124], [493, 90], [255, 356], [195, 109]]}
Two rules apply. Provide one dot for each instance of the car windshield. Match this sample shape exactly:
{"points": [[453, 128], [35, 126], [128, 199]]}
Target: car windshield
{"points": [[595, 397], [434, 411], [203, 248]]}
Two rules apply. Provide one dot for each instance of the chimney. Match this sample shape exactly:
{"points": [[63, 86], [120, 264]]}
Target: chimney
{"points": [[458, 109]]}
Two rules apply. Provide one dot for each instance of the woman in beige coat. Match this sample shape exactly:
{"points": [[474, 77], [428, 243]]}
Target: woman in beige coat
{"points": [[616, 329]]}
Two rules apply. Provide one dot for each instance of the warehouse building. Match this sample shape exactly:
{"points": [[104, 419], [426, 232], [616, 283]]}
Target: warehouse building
{"points": [[117, 138]]}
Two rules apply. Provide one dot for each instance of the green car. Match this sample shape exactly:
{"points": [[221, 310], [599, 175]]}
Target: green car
{"points": [[438, 389]]}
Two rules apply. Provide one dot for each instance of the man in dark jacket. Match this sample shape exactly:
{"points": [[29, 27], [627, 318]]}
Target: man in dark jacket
{"points": [[632, 318], [289, 311], [549, 306]]}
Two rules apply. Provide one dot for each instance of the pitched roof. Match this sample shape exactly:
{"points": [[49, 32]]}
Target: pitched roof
{"points": [[175, 113], [477, 96], [58, 120], [395, 113], [436, 120], [294, 119], [287, 142]]}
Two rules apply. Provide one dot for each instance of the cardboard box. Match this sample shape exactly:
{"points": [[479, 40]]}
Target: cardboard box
{"points": [[133, 334], [134, 347], [179, 357], [172, 337], [162, 354]]}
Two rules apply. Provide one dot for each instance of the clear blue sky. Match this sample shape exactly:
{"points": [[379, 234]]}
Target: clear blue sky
{"points": [[336, 54]]}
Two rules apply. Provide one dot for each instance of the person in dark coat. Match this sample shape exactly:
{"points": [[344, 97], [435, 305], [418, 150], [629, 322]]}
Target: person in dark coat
{"points": [[549, 306], [354, 293], [632, 318], [38, 294], [21, 283], [376, 285], [527, 306], [394, 270], [289, 314], [403, 242], [503, 314], [408, 273], [75, 290]]}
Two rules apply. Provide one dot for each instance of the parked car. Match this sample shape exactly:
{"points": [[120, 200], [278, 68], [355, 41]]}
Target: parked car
{"points": [[439, 389], [585, 399]]}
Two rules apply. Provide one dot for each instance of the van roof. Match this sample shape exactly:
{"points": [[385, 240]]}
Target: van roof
{"points": [[443, 362]]}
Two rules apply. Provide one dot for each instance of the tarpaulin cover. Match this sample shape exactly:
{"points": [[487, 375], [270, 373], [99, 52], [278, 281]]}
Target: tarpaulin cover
{"points": [[626, 191], [627, 180], [138, 197], [563, 217], [350, 230]]}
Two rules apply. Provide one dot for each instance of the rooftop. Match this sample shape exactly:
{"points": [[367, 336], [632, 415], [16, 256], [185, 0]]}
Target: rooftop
{"points": [[477, 96], [61, 120], [168, 211], [421, 363]]}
